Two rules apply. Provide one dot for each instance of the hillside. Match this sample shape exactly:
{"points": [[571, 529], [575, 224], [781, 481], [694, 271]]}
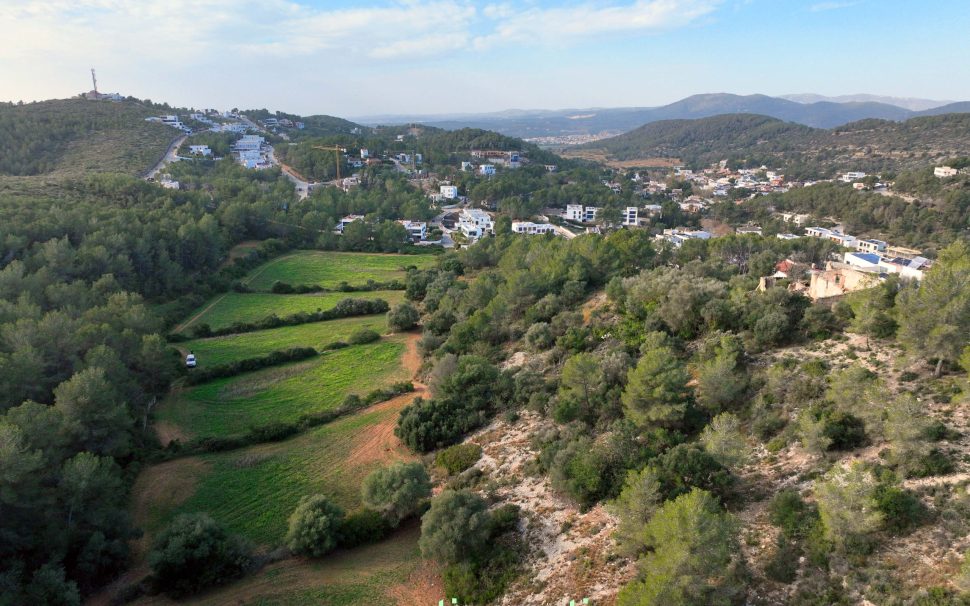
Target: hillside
{"points": [[754, 140], [820, 113], [68, 137]]}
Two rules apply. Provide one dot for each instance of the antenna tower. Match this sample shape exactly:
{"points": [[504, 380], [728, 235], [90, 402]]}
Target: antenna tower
{"points": [[94, 80]]}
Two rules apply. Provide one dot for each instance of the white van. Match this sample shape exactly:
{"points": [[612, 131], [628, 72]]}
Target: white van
{"points": [[190, 361]]}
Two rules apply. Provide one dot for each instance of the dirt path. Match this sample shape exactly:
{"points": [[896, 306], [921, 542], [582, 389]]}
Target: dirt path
{"points": [[191, 320]]}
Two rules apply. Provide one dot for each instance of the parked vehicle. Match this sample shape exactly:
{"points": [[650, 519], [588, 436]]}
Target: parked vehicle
{"points": [[190, 361]]}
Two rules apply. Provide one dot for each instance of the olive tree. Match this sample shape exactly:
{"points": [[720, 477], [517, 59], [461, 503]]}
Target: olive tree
{"points": [[396, 491], [194, 553], [314, 526], [456, 527]]}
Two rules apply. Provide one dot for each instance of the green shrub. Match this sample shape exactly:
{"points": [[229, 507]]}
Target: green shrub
{"points": [[403, 316], [314, 526], [459, 457], [195, 553], [685, 467], [456, 527], [791, 514], [397, 491], [363, 336], [901, 509], [934, 463], [783, 565], [361, 528]]}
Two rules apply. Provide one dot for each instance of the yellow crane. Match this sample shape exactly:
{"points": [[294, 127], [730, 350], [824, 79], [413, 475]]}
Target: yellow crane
{"points": [[337, 151]]}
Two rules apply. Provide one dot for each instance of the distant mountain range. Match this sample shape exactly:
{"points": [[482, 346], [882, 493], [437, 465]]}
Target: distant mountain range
{"points": [[911, 103], [809, 110]]}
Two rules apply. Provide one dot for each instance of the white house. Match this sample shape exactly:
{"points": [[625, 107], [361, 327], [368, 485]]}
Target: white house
{"points": [[250, 158], [364, 153], [475, 223], [944, 171], [589, 213], [833, 235], [574, 212], [249, 142], [417, 230], [467, 166], [347, 221], [851, 176], [200, 150], [795, 218], [678, 237], [486, 170], [870, 246], [527, 227], [449, 192], [631, 216], [906, 268], [862, 260]]}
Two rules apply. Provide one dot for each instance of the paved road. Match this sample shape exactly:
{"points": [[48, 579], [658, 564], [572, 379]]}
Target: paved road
{"points": [[167, 158], [302, 187]]}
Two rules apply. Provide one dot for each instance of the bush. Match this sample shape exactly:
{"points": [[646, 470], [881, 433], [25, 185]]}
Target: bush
{"points": [[361, 528], [275, 358], [455, 528], [901, 509], [685, 466], [396, 491], [314, 526], [363, 336], [403, 316], [195, 553], [345, 308], [459, 457], [783, 565], [934, 463], [791, 514]]}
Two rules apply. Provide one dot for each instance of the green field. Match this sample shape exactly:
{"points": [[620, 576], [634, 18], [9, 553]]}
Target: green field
{"points": [[283, 393], [252, 491], [248, 307], [366, 575], [328, 269], [230, 348]]}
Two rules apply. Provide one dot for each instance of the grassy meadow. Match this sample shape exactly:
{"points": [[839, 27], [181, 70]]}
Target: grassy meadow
{"points": [[230, 348], [248, 307], [328, 269], [232, 405]]}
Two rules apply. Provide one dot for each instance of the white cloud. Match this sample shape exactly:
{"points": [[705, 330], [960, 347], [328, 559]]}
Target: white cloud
{"points": [[830, 6], [563, 25]]}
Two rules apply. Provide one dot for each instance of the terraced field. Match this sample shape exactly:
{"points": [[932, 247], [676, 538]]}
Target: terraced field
{"points": [[252, 491], [229, 348], [329, 269], [232, 405], [385, 574], [248, 307]]}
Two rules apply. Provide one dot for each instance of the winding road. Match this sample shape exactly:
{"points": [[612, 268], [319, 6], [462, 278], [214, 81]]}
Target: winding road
{"points": [[167, 158]]}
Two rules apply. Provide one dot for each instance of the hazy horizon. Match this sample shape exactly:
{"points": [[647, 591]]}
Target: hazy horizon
{"points": [[433, 57]]}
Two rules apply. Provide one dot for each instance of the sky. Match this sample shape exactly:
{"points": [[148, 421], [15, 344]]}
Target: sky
{"points": [[358, 58]]}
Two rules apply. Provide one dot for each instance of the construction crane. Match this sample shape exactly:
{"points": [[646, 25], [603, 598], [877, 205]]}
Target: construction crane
{"points": [[337, 151], [94, 81]]}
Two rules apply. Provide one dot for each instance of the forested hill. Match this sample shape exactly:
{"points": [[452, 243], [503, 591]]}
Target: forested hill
{"points": [[76, 136], [871, 145]]}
